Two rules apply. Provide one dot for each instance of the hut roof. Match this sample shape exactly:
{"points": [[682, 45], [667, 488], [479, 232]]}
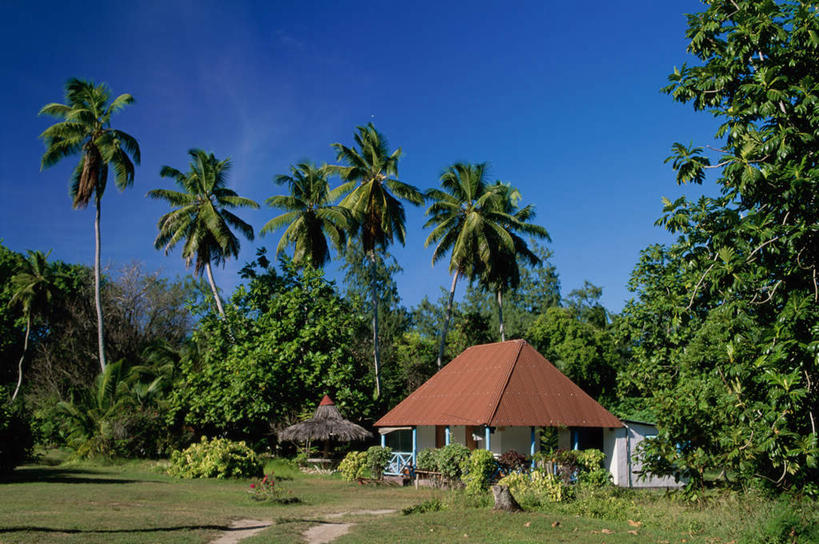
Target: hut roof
{"points": [[507, 383], [326, 424]]}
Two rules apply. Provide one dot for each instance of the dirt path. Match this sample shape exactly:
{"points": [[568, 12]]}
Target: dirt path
{"points": [[241, 529], [329, 531]]}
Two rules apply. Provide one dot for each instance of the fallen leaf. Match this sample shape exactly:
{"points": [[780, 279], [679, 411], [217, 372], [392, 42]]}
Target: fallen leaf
{"points": [[632, 532], [634, 523], [555, 524], [606, 531], [466, 535], [527, 524]]}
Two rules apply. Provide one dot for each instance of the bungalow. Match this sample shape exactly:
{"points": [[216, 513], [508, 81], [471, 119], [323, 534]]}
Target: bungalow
{"points": [[498, 397]]}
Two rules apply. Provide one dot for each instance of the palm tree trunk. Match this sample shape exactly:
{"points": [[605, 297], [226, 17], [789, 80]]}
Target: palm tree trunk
{"points": [[23, 356], [448, 317], [213, 288], [376, 348], [97, 296], [500, 316]]}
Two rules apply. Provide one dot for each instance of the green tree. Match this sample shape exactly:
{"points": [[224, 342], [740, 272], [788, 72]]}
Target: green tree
{"points": [[202, 217], [467, 222], [310, 218], [374, 200], [739, 287], [33, 289], [86, 130], [285, 341]]}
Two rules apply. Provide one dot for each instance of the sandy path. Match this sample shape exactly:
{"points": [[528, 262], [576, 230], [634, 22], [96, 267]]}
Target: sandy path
{"points": [[327, 532], [241, 529]]}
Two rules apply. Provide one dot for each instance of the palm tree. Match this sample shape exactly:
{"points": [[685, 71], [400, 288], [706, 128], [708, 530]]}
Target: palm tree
{"points": [[201, 217], [309, 215], [32, 288], [503, 272], [467, 221], [85, 130], [373, 198]]}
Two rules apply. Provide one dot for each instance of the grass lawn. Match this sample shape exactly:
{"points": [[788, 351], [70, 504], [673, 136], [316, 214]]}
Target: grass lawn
{"points": [[136, 502]]}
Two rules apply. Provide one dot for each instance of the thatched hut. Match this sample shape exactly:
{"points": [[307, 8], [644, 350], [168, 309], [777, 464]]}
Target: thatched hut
{"points": [[326, 425]]}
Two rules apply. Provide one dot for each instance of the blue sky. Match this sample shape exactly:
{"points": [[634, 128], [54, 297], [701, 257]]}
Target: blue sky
{"points": [[562, 99]]}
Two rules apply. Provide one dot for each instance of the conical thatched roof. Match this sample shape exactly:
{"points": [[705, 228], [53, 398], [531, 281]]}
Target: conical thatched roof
{"points": [[327, 424]]}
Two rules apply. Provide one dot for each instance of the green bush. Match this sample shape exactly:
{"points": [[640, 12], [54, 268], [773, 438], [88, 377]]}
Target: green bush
{"points": [[377, 459], [217, 458], [16, 439], [353, 466], [477, 471], [427, 459], [537, 488], [786, 523], [450, 458], [591, 471], [429, 505]]}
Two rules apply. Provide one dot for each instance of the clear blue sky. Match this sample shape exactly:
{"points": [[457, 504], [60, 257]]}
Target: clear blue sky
{"points": [[561, 98]]}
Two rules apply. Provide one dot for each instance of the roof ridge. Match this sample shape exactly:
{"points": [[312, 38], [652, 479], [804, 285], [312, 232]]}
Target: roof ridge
{"points": [[506, 381]]}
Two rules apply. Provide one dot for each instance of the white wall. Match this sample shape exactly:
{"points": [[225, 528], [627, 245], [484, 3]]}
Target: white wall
{"points": [[637, 432]]}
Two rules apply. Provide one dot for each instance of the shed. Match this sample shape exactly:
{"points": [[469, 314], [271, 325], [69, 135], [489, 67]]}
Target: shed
{"points": [[497, 397]]}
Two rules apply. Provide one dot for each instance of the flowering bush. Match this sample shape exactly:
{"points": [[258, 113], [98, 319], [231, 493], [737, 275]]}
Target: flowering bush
{"points": [[217, 458], [352, 467], [267, 490], [537, 488]]}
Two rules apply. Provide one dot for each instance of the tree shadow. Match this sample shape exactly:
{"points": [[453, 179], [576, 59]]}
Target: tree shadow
{"points": [[35, 529], [60, 475]]}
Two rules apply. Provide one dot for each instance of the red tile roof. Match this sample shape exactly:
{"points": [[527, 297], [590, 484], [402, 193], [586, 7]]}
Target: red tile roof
{"points": [[508, 383]]}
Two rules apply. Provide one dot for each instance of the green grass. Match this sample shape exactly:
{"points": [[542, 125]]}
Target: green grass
{"points": [[136, 502]]}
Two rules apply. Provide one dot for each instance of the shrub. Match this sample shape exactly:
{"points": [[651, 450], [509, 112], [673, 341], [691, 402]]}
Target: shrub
{"points": [[787, 522], [537, 488], [352, 467], [217, 458], [377, 459], [427, 459], [450, 458], [477, 471], [266, 490], [16, 439], [591, 471], [512, 461]]}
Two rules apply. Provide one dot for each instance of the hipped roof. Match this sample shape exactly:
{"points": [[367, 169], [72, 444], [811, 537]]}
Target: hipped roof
{"points": [[502, 384]]}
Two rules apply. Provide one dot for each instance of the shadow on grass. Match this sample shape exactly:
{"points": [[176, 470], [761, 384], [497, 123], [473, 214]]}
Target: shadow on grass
{"points": [[116, 531], [60, 476]]}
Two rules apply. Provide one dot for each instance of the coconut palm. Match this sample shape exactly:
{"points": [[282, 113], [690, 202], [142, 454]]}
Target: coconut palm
{"points": [[32, 289], [201, 217], [374, 197], [469, 224], [85, 131], [503, 270], [310, 217]]}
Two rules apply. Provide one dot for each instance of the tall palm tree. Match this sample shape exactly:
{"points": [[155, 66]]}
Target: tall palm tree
{"points": [[310, 216], [201, 217], [85, 130], [467, 222], [32, 289], [374, 197], [503, 272]]}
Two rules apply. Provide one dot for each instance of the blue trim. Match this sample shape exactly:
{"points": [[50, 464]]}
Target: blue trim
{"points": [[486, 434], [414, 444], [383, 440], [575, 439], [447, 436], [532, 445]]}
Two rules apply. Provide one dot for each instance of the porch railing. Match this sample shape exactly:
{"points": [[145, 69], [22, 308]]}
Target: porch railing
{"points": [[400, 464]]}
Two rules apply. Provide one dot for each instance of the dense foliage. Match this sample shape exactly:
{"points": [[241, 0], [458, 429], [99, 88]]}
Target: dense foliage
{"points": [[724, 327], [285, 341]]}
